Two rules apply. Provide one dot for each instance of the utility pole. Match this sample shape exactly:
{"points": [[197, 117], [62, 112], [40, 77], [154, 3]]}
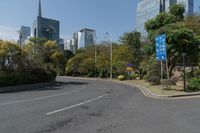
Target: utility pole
{"points": [[184, 80], [110, 42]]}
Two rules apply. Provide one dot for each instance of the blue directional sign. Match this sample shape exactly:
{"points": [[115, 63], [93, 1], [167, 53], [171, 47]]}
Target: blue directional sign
{"points": [[161, 54], [129, 65]]}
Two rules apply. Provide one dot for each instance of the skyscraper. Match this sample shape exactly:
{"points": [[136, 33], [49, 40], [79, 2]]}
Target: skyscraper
{"points": [[86, 37], [61, 44], [69, 45], [148, 9], [189, 5], [45, 27], [75, 41], [24, 33]]}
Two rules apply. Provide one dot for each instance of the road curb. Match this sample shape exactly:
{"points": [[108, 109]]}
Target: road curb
{"points": [[146, 91]]}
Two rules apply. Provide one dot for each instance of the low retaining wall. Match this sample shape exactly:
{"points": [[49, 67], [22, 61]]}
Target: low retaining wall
{"points": [[26, 87]]}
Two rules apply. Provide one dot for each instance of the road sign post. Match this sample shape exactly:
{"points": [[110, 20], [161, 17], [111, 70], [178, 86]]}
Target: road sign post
{"points": [[161, 54]]}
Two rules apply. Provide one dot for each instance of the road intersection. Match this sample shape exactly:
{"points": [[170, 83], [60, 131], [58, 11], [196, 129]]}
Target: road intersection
{"points": [[95, 106]]}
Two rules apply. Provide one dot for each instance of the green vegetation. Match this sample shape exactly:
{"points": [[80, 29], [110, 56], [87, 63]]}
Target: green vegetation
{"points": [[183, 36], [121, 77], [194, 84], [38, 61], [133, 57]]}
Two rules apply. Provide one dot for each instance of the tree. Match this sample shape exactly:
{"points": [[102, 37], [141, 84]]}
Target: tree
{"points": [[46, 54], [11, 56], [193, 22], [67, 55], [122, 56], [178, 11], [180, 39], [72, 67], [133, 40]]}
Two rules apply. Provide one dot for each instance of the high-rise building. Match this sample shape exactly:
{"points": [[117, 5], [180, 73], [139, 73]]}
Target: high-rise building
{"points": [[69, 45], [24, 33], [148, 9], [45, 27], [75, 40], [86, 37], [61, 44], [189, 5]]}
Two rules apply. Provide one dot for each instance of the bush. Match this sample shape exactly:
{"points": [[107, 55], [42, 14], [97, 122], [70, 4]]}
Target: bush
{"points": [[194, 84], [154, 80], [134, 75], [102, 74], [21, 78], [121, 77], [154, 77]]}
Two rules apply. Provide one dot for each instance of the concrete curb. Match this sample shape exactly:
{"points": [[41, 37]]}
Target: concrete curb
{"points": [[147, 92], [26, 87]]}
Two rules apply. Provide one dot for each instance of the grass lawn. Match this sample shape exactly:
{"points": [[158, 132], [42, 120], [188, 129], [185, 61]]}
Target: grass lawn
{"points": [[174, 90]]}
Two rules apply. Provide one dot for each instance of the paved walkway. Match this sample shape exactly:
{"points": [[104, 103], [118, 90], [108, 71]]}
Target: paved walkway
{"points": [[147, 92]]}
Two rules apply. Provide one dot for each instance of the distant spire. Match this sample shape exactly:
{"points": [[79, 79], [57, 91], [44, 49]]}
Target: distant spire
{"points": [[40, 9]]}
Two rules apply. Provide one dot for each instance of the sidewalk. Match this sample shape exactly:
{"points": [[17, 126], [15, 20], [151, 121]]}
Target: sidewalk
{"points": [[156, 91], [149, 90]]}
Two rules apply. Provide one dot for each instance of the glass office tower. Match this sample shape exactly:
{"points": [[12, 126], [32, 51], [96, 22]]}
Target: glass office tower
{"points": [[86, 37], [148, 9], [45, 27], [25, 32], [189, 5]]}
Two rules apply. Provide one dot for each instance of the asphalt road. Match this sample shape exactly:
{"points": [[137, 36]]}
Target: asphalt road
{"points": [[93, 106]]}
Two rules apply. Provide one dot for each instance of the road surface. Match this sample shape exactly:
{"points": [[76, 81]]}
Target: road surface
{"points": [[94, 106]]}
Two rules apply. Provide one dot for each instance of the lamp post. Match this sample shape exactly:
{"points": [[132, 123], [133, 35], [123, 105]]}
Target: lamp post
{"points": [[95, 59], [110, 54], [184, 82]]}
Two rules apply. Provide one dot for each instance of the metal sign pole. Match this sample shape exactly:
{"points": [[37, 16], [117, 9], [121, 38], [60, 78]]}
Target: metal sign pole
{"points": [[161, 55], [162, 77], [167, 69]]}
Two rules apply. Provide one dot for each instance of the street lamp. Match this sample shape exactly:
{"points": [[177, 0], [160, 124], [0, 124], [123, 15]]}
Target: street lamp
{"points": [[110, 54], [95, 58], [184, 82]]}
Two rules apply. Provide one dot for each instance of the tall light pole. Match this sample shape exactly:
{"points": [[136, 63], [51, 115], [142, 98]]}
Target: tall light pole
{"points": [[95, 58], [110, 54]]}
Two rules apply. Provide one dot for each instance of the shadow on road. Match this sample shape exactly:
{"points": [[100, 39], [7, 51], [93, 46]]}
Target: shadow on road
{"points": [[72, 83], [59, 86]]}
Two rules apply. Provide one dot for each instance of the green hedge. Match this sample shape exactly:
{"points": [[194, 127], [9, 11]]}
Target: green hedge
{"points": [[194, 84], [21, 78]]}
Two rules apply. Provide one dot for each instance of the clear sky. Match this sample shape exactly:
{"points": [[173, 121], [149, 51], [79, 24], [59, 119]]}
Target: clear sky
{"points": [[113, 16]]}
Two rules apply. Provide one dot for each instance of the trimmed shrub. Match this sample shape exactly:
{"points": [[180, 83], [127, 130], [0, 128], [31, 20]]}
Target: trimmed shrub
{"points": [[121, 77], [134, 75], [154, 80], [154, 77], [194, 84], [102, 74], [22, 78]]}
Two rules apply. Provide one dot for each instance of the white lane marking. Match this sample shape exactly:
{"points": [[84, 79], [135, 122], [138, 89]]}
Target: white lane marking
{"points": [[76, 105], [40, 98]]}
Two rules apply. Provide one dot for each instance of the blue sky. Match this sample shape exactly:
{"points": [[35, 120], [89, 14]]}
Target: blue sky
{"points": [[113, 16]]}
